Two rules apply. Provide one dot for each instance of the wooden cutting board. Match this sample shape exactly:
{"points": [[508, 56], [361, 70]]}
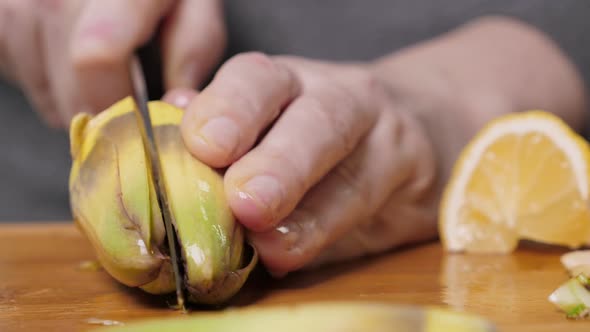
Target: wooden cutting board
{"points": [[42, 286]]}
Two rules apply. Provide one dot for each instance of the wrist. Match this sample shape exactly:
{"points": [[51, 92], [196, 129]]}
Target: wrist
{"points": [[437, 105], [456, 83]]}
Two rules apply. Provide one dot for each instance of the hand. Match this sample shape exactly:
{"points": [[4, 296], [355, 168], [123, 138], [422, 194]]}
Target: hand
{"points": [[324, 164], [71, 55], [335, 161]]}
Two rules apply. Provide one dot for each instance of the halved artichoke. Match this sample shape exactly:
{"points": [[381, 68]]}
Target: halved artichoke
{"points": [[112, 197]]}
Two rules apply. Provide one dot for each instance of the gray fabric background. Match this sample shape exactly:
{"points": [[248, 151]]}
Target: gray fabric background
{"points": [[34, 161]]}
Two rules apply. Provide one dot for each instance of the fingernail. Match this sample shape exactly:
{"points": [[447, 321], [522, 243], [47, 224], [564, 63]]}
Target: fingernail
{"points": [[265, 189], [179, 97], [221, 132], [180, 101]]}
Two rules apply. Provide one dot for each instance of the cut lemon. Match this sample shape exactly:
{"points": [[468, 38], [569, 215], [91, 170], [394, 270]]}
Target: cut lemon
{"points": [[524, 176]]}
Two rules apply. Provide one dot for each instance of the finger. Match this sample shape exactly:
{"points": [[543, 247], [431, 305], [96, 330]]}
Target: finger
{"points": [[311, 137], [347, 198], [401, 223], [193, 41], [103, 40], [180, 97], [227, 117], [23, 55], [56, 19], [8, 19]]}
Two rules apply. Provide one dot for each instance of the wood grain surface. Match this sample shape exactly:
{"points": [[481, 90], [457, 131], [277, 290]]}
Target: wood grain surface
{"points": [[43, 287]]}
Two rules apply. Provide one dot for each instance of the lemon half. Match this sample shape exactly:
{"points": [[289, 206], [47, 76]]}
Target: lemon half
{"points": [[524, 176]]}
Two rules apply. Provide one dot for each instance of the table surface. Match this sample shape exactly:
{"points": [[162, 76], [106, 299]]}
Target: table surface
{"points": [[43, 287]]}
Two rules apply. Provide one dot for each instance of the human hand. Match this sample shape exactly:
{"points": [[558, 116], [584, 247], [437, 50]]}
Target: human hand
{"points": [[71, 56], [334, 161], [324, 164]]}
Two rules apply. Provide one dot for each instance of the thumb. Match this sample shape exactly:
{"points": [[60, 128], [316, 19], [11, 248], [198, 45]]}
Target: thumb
{"points": [[194, 40], [105, 36]]}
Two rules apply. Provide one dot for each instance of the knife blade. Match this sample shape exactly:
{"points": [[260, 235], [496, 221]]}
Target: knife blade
{"points": [[140, 96]]}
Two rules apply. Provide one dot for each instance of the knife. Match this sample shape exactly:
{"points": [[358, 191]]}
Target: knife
{"points": [[140, 95]]}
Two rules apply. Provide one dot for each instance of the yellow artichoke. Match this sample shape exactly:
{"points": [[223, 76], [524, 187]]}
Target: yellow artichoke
{"points": [[113, 201]]}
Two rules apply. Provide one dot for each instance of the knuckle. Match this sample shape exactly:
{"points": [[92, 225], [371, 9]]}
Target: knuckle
{"points": [[370, 91], [420, 154], [395, 129], [337, 111], [257, 59], [294, 171], [267, 69], [241, 102], [255, 86], [348, 174], [370, 87]]}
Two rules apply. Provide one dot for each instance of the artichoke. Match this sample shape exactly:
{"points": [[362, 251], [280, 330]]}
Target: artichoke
{"points": [[113, 201]]}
